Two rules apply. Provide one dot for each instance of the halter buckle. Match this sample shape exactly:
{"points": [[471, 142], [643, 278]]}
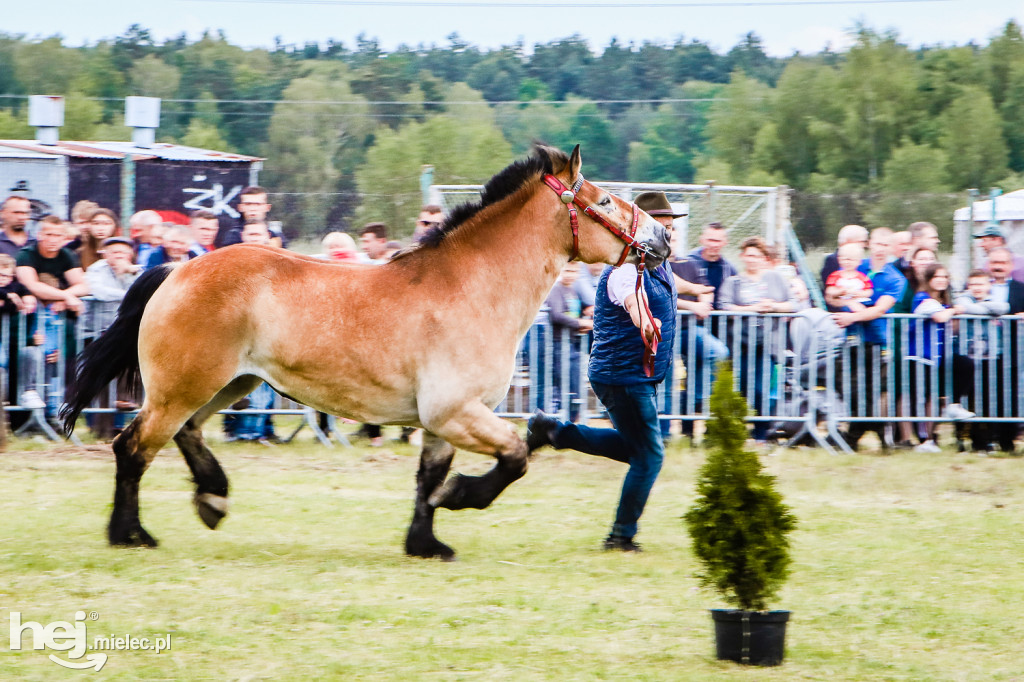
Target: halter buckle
{"points": [[567, 196]]}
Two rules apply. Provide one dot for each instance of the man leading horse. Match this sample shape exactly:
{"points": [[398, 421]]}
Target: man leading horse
{"points": [[625, 386]]}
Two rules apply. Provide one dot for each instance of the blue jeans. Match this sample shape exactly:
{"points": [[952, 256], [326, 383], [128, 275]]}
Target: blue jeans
{"points": [[635, 440], [53, 333], [572, 396], [534, 351], [708, 350], [254, 426], [753, 362]]}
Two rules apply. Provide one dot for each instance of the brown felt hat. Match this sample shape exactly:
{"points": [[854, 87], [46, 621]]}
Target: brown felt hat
{"points": [[656, 203]]}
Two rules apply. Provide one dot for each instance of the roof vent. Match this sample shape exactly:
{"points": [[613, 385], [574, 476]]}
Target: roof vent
{"points": [[142, 115], [46, 114]]}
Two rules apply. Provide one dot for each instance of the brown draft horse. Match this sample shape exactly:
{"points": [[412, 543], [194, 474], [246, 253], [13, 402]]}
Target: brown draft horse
{"points": [[428, 339]]}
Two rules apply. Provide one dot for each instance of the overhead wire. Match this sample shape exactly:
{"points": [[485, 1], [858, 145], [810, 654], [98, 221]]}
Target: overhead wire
{"points": [[586, 4]]}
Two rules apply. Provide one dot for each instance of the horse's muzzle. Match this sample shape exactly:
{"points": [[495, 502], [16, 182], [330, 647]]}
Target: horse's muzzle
{"points": [[658, 247]]}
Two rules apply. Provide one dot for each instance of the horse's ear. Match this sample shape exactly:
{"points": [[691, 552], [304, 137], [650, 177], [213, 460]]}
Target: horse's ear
{"points": [[574, 163]]}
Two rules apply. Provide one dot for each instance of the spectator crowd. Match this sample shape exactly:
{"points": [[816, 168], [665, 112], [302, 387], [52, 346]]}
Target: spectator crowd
{"points": [[911, 350], [905, 351], [46, 271]]}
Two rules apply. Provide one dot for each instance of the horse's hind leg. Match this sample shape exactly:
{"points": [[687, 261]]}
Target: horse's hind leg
{"points": [[435, 460], [476, 428], [211, 497], [134, 449]]}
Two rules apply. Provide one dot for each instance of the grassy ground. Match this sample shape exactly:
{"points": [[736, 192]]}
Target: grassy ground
{"points": [[906, 568]]}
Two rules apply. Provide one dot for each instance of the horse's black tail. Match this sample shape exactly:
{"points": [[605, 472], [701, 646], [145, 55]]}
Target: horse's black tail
{"points": [[115, 353]]}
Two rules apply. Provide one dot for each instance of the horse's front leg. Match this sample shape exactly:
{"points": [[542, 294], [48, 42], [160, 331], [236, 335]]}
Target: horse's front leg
{"points": [[435, 460], [476, 428]]}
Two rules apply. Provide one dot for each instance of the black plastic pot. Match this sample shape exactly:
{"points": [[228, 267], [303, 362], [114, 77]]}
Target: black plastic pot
{"points": [[750, 637]]}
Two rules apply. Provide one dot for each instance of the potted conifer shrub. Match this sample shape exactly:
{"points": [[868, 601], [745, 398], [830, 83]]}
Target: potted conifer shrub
{"points": [[739, 526]]}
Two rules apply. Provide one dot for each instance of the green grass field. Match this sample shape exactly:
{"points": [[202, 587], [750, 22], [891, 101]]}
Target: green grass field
{"points": [[906, 567]]}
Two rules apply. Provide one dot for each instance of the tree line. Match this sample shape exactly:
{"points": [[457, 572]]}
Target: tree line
{"points": [[877, 133]]}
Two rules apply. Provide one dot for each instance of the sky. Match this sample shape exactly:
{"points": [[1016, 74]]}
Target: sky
{"points": [[785, 26]]}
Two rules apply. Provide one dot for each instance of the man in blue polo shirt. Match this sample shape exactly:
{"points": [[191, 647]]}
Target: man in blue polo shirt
{"points": [[861, 372]]}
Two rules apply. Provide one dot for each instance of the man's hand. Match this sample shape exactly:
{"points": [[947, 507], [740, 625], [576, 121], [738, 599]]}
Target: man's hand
{"points": [[641, 319], [586, 324], [701, 310], [74, 304], [844, 320], [648, 327]]}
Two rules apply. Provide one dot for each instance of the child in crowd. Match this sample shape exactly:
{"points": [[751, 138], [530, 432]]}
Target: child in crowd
{"points": [[977, 300], [983, 344], [340, 248], [17, 299], [848, 286]]}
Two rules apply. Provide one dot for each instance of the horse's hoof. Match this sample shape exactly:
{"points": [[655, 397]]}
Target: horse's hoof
{"points": [[432, 550], [136, 537], [211, 508]]}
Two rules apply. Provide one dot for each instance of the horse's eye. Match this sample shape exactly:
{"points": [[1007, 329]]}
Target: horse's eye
{"points": [[605, 203]]}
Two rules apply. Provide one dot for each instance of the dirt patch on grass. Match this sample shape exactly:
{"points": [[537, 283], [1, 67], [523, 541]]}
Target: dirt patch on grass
{"points": [[68, 452]]}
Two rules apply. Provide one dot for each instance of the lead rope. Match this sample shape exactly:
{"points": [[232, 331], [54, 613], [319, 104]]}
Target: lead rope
{"points": [[650, 347]]}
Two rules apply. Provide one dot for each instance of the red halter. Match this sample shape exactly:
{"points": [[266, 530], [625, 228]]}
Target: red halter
{"points": [[569, 198]]}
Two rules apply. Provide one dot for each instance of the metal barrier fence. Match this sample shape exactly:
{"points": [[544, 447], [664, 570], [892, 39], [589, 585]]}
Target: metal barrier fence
{"points": [[799, 371]]}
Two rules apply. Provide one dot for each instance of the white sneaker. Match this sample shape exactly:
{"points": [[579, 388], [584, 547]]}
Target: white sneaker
{"points": [[31, 400], [956, 412], [928, 446]]}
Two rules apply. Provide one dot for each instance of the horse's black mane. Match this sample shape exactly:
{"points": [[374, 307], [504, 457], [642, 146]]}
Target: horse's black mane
{"points": [[502, 185]]}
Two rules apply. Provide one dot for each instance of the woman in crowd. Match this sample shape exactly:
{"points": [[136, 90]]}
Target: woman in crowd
{"points": [[926, 344], [920, 260], [103, 224], [756, 289]]}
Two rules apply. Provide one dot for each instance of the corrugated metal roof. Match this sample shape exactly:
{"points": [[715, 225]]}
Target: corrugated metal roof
{"points": [[172, 152], [14, 153], [119, 150], [51, 151]]}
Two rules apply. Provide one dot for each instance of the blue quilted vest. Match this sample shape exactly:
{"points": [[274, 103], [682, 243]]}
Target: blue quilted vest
{"points": [[618, 350]]}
